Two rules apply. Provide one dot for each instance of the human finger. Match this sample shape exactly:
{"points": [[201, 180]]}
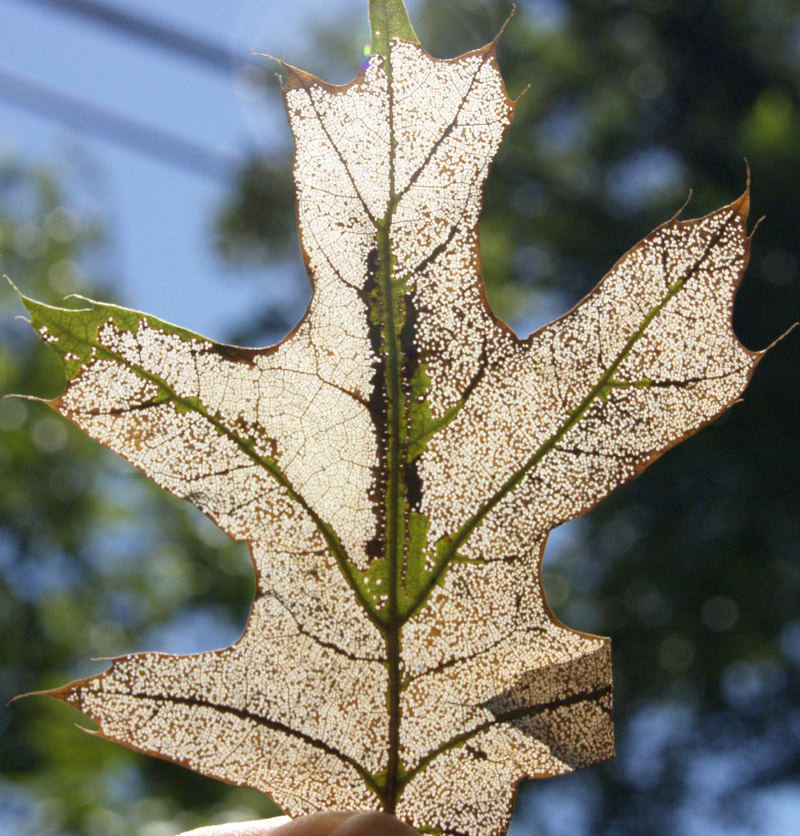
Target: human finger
{"points": [[371, 824], [245, 828], [317, 824]]}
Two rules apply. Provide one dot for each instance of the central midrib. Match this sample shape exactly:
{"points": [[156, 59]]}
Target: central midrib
{"points": [[395, 516], [397, 534]]}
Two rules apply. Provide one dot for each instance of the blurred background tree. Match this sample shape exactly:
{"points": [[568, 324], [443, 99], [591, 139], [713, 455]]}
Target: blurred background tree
{"points": [[93, 562], [694, 569]]}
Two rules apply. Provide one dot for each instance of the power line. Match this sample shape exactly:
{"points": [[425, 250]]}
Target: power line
{"points": [[148, 30], [144, 139]]}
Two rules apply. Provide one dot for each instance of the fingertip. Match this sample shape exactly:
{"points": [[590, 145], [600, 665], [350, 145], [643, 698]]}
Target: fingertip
{"points": [[373, 824], [248, 828], [326, 823], [317, 824]]}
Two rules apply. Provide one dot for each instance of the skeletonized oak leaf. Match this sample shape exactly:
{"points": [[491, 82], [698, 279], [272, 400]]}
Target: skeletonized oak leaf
{"points": [[397, 462]]}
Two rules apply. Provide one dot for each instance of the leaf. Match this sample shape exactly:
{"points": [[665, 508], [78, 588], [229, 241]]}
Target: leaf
{"points": [[396, 465]]}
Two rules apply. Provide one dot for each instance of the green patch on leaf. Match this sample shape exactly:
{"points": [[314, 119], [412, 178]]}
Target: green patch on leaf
{"points": [[389, 19]]}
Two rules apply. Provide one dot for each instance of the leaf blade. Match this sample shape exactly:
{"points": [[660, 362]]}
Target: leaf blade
{"points": [[397, 463]]}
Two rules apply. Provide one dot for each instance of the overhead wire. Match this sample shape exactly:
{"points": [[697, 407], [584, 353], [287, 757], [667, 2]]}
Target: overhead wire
{"points": [[121, 130], [146, 29]]}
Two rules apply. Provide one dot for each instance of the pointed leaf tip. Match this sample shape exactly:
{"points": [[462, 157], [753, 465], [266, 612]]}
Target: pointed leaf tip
{"points": [[742, 205], [389, 19]]}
